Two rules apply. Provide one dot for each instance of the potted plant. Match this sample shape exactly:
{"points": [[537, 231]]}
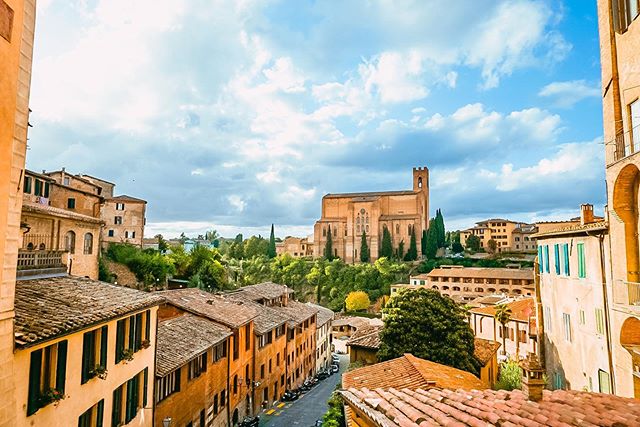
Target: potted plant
{"points": [[145, 344], [51, 395], [100, 372], [127, 354]]}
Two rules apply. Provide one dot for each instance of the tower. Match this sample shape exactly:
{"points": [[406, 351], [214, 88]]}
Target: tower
{"points": [[421, 185]]}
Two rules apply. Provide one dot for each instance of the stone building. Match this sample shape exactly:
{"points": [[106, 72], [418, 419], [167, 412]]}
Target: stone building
{"points": [[323, 336], [510, 236], [349, 215], [83, 369], [297, 247], [573, 300], [17, 23]]}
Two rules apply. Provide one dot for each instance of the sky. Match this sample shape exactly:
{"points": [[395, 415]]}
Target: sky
{"points": [[235, 115]]}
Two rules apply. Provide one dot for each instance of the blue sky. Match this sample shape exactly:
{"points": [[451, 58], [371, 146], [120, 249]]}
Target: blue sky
{"points": [[236, 115]]}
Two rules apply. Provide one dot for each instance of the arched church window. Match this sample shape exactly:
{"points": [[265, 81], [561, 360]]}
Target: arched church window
{"points": [[397, 228], [420, 182]]}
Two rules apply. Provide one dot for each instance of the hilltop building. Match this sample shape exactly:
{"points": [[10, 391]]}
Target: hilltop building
{"points": [[348, 215], [297, 247], [510, 236]]}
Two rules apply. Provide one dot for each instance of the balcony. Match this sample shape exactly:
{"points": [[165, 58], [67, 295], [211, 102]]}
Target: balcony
{"points": [[41, 263], [624, 145], [627, 294]]}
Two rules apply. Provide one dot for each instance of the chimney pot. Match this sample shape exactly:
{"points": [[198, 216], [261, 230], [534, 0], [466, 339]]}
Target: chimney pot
{"points": [[532, 378], [586, 214]]}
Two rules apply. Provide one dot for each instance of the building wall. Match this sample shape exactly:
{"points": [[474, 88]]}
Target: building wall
{"points": [[241, 400], [397, 212], [488, 328], [133, 220], [85, 203], [80, 397], [620, 87], [574, 361], [274, 353], [489, 372], [197, 395], [15, 69], [295, 246], [365, 356], [302, 352], [323, 347]]}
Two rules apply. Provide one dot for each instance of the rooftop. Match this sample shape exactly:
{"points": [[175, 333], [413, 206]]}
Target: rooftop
{"points": [[56, 306], [371, 194], [574, 229], [231, 312], [182, 338], [521, 309], [297, 312], [354, 321], [410, 372], [324, 314], [61, 213], [366, 336], [479, 273], [265, 290], [485, 350], [125, 198], [267, 318], [392, 407]]}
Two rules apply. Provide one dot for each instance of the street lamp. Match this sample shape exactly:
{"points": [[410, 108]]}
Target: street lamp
{"points": [[166, 422]]}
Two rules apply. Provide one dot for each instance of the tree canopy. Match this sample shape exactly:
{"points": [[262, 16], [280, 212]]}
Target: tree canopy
{"points": [[271, 250], [432, 240], [430, 326], [364, 249], [328, 249], [473, 243], [412, 253], [386, 248], [357, 300]]}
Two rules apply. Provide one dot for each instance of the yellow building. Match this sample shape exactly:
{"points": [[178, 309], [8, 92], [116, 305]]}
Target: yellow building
{"points": [[510, 236], [297, 247], [347, 216], [17, 23], [85, 353], [620, 61]]}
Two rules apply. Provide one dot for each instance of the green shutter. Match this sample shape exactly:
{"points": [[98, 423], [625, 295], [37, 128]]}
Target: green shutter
{"points": [[138, 342], [61, 369], [35, 371], [87, 349], [144, 387], [100, 413], [46, 189], [567, 269], [132, 329], [581, 261], [38, 191], [104, 334], [116, 410], [147, 333], [120, 340], [546, 259], [556, 256], [540, 260]]}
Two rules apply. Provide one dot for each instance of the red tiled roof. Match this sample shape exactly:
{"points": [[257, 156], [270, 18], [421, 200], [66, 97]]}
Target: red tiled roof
{"points": [[521, 309], [412, 373], [480, 273], [366, 336], [484, 350], [434, 407]]}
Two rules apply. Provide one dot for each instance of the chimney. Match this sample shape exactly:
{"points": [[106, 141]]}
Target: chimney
{"points": [[532, 380], [586, 214]]}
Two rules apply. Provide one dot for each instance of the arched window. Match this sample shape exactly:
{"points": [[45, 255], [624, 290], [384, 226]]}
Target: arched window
{"points": [[397, 228], [70, 242], [420, 182], [42, 247], [30, 246], [324, 232], [88, 244]]}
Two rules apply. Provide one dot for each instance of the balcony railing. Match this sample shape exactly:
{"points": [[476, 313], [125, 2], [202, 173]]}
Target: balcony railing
{"points": [[35, 263], [625, 144], [31, 241], [627, 293]]}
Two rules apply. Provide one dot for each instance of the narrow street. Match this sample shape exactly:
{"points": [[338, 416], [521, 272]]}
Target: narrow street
{"points": [[310, 407]]}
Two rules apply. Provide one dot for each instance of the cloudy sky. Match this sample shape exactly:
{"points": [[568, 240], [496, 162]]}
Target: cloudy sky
{"points": [[239, 114]]}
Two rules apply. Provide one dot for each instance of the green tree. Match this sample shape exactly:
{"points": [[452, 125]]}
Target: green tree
{"points": [[423, 243], [430, 326], [492, 245], [510, 376], [473, 243], [400, 253], [163, 245], [271, 252], [334, 417], [386, 248], [412, 253], [457, 248], [328, 249], [256, 246], [364, 249], [236, 249], [503, 315], [356, 301], [432, 240], [440, 228]]}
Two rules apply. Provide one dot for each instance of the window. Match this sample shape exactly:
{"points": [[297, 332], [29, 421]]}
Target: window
{"points": [[581, 317], [265, 339], [262, 371], [38, 188], [546, 259], [215, 404], [117, 220], [600, 321], [566, 321], [235, 384], [219, 351], [167, 385], [558, 381], [93, 416], [94, 353], [556, 255], [624, 12], [270, 365], [27, 184], [129, 398], [634, 121], [119, 206], [126, 235], [88, 244], [236, 344], [223, 397], [547, 319], [604, 382], [130, 331], [67, 180], [278, 359], [47, 375], [70, 242], [280, 330], [565, 252], [111, 233], [197, 366], [582, 273], [71, 203], [247, 338]]}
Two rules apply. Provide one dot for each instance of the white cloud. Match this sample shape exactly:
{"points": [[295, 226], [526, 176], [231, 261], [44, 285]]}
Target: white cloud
{"points": [[270, 176], [568, 93], [237, 202], [397, 77]]}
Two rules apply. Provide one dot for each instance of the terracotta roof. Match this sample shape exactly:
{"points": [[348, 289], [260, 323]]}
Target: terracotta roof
{"points": [[267, 318], [50, 210], [354, 321], [434, 407], [233, 313], [297, 312], [51, 307], [484, 350], [324, 314], [126, 198], [182, 338], [266, 290], [480, 273], [522, 309], [575, 229], [366, 336], [371, 194], [412, 373]]}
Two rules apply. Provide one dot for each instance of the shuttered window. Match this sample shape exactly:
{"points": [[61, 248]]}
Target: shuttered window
{"points": [[132, 334], [129, 398], [47, 376], [565, 253], [546, 259], [582, 271], [540, 260], [94, 353], [600, 321], [556, 256], [93, 416]]}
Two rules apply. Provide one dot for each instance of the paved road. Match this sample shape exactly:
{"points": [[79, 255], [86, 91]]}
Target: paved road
{"points": [[305, 411]]}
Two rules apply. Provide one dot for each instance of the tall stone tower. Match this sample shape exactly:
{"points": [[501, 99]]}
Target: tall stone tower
{"points": [[421, 184]]}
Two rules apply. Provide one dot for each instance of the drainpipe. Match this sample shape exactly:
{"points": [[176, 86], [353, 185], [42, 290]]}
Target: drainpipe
{"points": [[607, 319], [228, 396]]}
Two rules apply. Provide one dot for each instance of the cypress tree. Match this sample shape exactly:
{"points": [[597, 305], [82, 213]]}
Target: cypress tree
{"points": [[364, 249], [441, 232], [401, 250], [412, 253], [432, 240], [328, 249], [271, 251], [386, 248], [423, 243]]}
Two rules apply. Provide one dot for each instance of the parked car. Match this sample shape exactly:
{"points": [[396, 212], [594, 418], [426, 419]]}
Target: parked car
{"points": [[323, 375], [318, 423], [335, 369], [250, 422], [290, 396]]}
